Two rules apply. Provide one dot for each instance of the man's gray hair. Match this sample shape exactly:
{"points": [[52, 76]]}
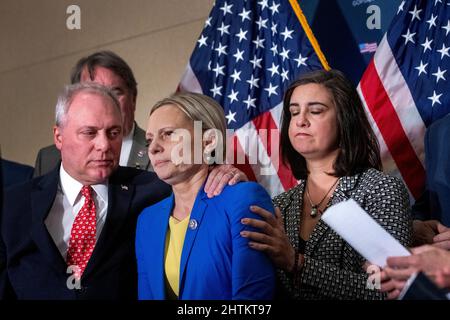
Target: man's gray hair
{"points": [[69, 93]]}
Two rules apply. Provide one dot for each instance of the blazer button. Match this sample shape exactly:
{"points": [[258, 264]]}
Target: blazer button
{"points": [[193, 224]]}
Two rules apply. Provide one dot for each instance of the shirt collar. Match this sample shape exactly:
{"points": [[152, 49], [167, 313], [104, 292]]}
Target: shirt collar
{"points": [[71, 187]]}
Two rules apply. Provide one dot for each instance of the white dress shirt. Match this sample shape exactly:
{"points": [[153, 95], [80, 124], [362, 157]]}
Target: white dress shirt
{"points": [[125, 152], [67, 204]]}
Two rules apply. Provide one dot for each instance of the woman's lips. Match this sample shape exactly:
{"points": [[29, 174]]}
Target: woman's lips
{"points": [[302, 134]]}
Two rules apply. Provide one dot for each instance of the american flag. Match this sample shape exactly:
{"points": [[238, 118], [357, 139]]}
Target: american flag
{"points": [[368, 47], [405, 87], [245, 57]]}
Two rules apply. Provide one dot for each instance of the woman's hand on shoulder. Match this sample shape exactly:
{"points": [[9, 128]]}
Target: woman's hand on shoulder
{"points": [[222, 175], [272, 239]]}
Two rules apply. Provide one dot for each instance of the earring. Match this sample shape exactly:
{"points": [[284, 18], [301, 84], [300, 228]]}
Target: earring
{"points": [[208, 158]]}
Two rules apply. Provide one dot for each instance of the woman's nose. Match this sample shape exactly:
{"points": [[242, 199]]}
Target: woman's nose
{"points": [[302, 120], [154, 147]]}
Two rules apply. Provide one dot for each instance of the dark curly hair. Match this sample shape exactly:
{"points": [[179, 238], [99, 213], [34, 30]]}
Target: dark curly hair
{"points": [[359, 149]]}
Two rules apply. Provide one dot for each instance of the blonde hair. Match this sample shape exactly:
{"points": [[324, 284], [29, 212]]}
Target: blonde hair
{"points": [[198, 107]]}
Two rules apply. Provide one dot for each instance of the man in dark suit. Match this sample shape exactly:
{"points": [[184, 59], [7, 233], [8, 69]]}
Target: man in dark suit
{"points": [[14, 173], [108, 69], [432, 211], [42, 218]]}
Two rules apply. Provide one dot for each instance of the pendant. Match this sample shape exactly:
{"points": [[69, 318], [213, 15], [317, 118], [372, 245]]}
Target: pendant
{"points": [[314, 211]]}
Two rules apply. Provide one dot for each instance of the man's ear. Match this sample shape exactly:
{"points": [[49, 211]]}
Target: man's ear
{"points": [[57, 137]]}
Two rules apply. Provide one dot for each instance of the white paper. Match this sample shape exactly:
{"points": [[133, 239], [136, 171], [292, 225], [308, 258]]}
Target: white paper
{"points": [[363, 233]]}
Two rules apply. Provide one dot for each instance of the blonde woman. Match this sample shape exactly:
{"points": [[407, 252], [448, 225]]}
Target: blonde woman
{"points": [[188, 246]]}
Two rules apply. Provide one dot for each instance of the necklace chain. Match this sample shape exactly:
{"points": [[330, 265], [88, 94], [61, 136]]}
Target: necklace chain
{"points": [[315, 207]]}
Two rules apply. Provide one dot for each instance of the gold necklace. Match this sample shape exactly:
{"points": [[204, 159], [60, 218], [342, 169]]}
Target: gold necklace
{"points": [[315, 207]]}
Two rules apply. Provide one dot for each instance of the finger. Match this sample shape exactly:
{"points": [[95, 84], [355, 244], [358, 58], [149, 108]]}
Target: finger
{"points": [[441, 228], [444, 236], [384, 276], [387, 286], [278, 215], [235, 178], [279, 219], [399, 262], [259, 224], [260, 247], [256, 237], [266, 215], [400, 274], [210, 181], [226, 177], [399, 284], [238, 176], [443, 245], [393, 294], [422, 249], [218, 181], [442, 279]]}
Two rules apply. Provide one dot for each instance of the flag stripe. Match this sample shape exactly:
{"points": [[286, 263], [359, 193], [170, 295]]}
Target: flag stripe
{"points": [[189, 81], [265, 121], [244, 167], [386, 157], [263, 169], [392, 131], [397, 89]]}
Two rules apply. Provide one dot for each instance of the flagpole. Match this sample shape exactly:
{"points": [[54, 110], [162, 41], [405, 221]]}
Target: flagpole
{"points": [[301, 17]]}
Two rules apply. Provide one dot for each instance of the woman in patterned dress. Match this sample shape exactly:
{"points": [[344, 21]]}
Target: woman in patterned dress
{"points": [[328, 143]]}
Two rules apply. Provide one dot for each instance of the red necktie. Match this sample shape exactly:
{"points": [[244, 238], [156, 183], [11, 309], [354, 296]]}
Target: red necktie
{"points": [[82, 236]]}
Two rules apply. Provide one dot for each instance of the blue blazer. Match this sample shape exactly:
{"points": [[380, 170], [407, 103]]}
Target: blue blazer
{"points": [[216, 262], [435, 204]]}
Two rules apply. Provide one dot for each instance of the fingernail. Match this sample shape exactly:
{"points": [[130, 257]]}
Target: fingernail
{"points": [[244, 233], [244, 221], [252, 208]]}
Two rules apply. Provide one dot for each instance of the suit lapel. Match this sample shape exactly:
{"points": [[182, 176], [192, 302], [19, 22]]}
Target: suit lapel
{"points": [[138, 155], [158, 241], [119, 205], [195, 223], [42, 197]]}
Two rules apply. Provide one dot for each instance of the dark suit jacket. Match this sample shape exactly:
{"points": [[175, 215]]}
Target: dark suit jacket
{"points": [[49, 157], [435, 203], [31, 266], [14, 173]]}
